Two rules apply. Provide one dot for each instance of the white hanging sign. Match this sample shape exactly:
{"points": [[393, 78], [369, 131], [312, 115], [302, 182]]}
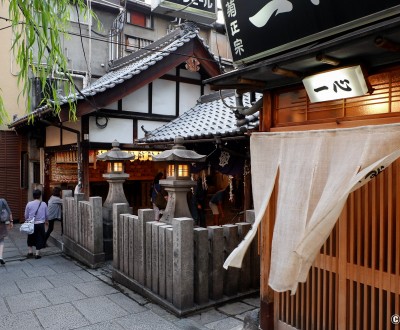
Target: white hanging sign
{"points": [[336, 84]]}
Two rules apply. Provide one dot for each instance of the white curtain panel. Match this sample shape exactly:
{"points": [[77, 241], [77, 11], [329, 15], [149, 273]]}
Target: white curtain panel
{"points": [[317, 172]]}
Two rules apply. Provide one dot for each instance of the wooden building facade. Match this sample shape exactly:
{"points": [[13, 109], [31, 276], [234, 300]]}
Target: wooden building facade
{"points": [[355, 281]]}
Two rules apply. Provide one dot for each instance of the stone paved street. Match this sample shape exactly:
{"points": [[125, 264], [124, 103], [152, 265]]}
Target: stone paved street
{"points": [[57, 292]]}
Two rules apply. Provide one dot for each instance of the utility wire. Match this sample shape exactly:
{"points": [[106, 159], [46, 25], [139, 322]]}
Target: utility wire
{"points": [[123, 44]]}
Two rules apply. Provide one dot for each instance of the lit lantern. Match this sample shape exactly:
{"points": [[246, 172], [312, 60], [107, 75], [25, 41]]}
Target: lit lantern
{"points": [[115, 167], [178, 182], [115, 173]]}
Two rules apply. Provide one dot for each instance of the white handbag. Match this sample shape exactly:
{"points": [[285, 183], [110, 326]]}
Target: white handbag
{"points": [[28, 227]]}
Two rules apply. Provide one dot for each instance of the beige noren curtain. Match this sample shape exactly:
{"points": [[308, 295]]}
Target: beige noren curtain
{"points": [[317, 172]]}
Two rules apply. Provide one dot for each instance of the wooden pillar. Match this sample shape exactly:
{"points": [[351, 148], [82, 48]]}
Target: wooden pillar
{"points": [[268, 307]]}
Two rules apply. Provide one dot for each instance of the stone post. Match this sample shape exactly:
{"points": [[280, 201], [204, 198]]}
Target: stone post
{"points": [[139, 245], [200, 265], [182, 262], [216, 277], [231, 275]]}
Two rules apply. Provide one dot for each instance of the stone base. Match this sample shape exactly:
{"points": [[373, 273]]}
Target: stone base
{"points": [[142, 290], [78, 252]]}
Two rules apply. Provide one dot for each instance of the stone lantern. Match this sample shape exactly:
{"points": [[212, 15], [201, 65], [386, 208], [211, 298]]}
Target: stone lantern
{"points": [[178, 182], [116, 177]]}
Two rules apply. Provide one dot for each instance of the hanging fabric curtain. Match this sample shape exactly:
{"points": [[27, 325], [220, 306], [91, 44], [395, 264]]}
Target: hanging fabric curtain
{"points": [[317, 172]]}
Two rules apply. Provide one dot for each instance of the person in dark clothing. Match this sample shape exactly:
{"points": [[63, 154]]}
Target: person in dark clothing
{"points": [[54, 211], [199, 203], [216, 205], [4, 223], [155, 189]]}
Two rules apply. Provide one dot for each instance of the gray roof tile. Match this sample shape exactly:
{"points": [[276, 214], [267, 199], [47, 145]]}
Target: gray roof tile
{"points": [[205, 120]]}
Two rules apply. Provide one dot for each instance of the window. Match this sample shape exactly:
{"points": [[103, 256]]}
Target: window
{"points": [[133, 43], [140, 19]]}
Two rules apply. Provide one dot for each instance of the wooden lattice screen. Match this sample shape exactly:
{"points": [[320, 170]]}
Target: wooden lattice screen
{"points": [[355, 281]]}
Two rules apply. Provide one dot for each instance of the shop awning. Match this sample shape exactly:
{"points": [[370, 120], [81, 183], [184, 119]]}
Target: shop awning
{"points": [[315, 172]]}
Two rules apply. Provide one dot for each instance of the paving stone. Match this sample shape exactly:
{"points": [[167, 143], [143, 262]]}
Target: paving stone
{"points": [[235, 308], [162, 312], [26, 302], [226, 324], [99, 309], [38, 271], [208, 316], [126, 303], [95, 288], [63, 279], [85, 275], [9, 289], [188, 324], [248, 313], [64, 316], [253, 301], [8, 276], [3, 308], [146, 321], [33, 284], [103, 326], [66, 266], [63, 294], [23, 320]]}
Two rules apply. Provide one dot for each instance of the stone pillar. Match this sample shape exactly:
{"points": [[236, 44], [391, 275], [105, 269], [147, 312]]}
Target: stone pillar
{"points": [[97, 239], [231, 275], [182, 262], [162, 260], [117, 230], [200, 265], [169, 263], [155, 255], [139, 245], [149, 250], [216, 276], [78, 228]]}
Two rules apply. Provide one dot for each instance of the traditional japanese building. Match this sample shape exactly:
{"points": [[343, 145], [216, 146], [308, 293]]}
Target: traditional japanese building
{"points": [[140, 92], [329, 247]]}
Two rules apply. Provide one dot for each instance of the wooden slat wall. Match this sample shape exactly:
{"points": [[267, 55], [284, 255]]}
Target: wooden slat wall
{"points": [[355, 281], [11, 146]]}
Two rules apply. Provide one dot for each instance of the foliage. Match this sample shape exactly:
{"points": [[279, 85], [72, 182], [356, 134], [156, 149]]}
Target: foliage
{"points": [[38, 26]]}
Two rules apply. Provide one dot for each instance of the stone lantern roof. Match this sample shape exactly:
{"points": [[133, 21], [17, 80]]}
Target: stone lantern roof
{"points": [[179, 153], [115, 154]]}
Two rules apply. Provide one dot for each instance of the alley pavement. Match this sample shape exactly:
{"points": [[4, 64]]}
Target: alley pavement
{"points": [[58, 292]]}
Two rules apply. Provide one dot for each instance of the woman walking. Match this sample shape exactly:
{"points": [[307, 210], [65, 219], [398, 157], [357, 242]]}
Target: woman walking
{"points": [[54, 211], [5, 222], [37, 210]]}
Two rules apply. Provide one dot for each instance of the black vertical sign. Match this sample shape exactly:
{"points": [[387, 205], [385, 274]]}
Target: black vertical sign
{"points": [[259, 28]]}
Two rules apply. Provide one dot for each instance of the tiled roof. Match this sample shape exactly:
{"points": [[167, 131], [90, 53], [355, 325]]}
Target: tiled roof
{"points": [[207, 119], [137, 62]]}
